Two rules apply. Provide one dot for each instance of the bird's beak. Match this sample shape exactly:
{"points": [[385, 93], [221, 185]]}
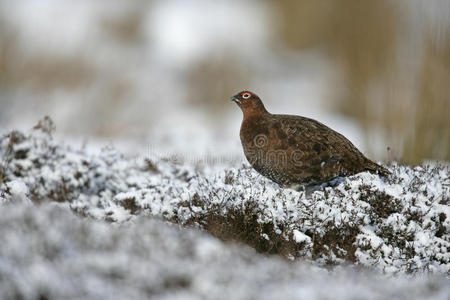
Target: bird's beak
{"points": [[235, 99]]}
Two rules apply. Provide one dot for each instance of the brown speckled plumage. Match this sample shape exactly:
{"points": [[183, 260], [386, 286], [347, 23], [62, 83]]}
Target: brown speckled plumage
{"points": [[296, 151]]}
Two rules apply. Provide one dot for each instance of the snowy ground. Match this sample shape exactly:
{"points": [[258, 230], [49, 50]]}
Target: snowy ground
{"points": [[88, 225], [48, 252]]}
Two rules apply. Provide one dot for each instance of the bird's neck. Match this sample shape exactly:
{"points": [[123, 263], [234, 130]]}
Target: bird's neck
{"points": [[252, 123], [255, 111]]}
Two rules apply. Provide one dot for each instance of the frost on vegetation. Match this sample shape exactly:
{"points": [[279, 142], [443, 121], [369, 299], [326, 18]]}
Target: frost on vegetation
{"points": [[396, 225], [49, 253]]}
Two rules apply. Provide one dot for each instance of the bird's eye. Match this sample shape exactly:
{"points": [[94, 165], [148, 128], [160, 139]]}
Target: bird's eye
{"points": [[246, 95]]}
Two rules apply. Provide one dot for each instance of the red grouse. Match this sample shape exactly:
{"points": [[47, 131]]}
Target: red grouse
{"points": [[295, 151]]}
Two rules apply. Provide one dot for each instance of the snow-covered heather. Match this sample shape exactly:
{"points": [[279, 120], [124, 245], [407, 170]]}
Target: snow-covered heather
{"points": [[399, 225], [49, 253]]}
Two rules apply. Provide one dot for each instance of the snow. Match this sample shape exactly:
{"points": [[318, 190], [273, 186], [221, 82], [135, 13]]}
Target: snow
{"points": [[49, 252], [18, 191], [300, 237], [110, 229]]}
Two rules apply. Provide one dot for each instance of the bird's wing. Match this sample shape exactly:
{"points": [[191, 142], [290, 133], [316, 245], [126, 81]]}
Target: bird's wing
{"points": [[316, 150]]}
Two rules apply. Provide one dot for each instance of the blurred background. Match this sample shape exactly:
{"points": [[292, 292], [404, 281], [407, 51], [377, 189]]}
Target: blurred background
{"points": [[159, 74]]}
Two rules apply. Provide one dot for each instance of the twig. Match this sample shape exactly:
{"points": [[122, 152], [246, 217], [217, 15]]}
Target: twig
{"points": [[5, 161]]}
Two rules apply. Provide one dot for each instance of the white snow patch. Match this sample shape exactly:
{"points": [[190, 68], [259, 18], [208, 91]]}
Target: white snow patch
{"points": [[19, 191], [300, 237]]}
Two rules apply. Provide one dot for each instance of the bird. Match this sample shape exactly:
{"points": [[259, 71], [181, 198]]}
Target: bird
{"points": [[294, 151]]}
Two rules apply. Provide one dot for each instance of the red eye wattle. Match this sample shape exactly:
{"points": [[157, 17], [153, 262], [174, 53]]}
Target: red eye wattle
{"points": [[246, 95]]}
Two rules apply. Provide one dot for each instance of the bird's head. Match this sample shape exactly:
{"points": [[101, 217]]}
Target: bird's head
{"points": [[248, 102]]}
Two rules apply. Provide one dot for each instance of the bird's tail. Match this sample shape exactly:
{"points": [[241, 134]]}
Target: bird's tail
{"points": [[377, 169]]}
